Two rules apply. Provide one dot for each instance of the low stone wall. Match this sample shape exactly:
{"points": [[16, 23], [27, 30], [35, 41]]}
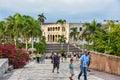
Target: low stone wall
{"points": [[105, 63], [3, 65]]}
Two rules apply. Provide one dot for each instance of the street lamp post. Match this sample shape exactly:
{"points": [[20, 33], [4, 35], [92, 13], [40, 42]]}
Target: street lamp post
{"points": [[109, 27], [83, 46], [68, 46]]}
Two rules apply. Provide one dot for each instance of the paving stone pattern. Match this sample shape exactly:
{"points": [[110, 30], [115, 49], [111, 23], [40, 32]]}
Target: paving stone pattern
{"points": [[35, 71]]}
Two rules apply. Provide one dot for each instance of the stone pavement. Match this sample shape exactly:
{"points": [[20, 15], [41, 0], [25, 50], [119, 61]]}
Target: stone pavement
{"points": [[35, 71]]}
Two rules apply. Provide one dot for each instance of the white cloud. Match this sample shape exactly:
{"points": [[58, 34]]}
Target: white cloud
{"points": [[62, 7]]}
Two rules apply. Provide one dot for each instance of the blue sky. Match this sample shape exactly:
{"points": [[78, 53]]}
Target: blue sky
{"points": [[70, 10]]}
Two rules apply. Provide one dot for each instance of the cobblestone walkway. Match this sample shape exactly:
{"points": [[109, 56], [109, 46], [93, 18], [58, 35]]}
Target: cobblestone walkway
{"points": [[35, 71]]}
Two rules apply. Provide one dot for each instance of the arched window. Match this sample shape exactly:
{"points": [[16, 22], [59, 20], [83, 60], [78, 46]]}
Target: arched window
{"points": [[53, 28], [58, 36], [53, 38], [80, 29], [63, 28], [58, 28], [48, 38], [48, 29]]}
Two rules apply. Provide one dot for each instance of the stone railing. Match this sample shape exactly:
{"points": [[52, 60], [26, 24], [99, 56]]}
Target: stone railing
{"points": [[3, 65], [105, 63]]}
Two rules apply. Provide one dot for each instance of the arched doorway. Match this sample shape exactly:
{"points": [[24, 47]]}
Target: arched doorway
{"points": [[53, 38]]}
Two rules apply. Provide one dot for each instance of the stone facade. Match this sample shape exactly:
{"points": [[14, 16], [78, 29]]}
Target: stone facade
{"points": [[80, 27], [52, 31], [105, 63]]}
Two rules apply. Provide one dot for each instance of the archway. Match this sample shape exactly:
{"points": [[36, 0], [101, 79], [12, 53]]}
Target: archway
{"points": [[53, 38]]}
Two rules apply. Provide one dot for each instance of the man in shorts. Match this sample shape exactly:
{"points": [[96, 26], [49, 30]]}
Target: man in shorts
{"points": [[56, 62]]}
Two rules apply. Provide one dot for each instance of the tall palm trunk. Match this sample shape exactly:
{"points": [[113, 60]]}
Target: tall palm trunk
{"points": [[83, 46], [26, 44], [32, 42], [15, 42], [88, 43], [68, 47]]}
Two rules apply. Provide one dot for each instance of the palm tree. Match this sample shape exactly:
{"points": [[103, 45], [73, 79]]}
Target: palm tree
{"points": [[2, 30], [25, 31], [41, 46], [62, 39], [34, 29], [61, 21], [41, 18], [74, 33], [18, 26], [43, 38], [89, 30], [14, 25], [91, 27], [110, 24], [10, 21]]}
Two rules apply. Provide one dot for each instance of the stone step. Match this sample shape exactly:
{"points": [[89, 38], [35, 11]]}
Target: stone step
{"points": [[57, 47]]}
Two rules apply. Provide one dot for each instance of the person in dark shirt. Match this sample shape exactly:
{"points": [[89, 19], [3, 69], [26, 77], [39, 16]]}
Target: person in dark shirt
{"points": [[89, 61], [56, 62]]}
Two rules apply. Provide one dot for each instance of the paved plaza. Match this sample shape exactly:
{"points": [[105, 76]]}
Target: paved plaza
{"points": [[35, 71]]}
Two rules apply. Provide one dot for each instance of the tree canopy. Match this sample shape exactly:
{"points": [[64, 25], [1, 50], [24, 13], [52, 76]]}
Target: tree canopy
{"points": [[106, 37]]}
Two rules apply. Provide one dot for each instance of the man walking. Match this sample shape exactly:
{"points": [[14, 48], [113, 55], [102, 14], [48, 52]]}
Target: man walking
{"points": [[56, 62], [84, 65]]}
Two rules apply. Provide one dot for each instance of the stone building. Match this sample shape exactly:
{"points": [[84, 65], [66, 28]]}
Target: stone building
{"points": [[52, 31]]}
